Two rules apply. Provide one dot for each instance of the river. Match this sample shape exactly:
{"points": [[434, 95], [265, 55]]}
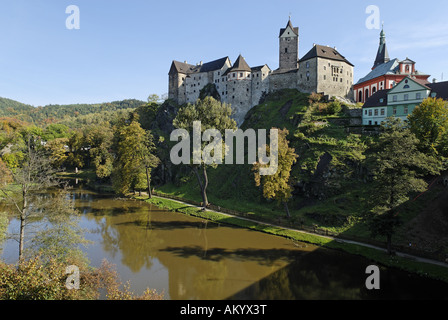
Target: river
{"points": [[191, 259]]}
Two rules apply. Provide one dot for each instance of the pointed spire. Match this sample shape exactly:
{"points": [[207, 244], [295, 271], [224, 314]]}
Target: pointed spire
{"points": [[383, 55]]}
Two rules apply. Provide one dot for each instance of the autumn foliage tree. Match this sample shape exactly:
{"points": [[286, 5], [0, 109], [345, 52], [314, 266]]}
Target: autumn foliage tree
{"points": [[278, 186]]}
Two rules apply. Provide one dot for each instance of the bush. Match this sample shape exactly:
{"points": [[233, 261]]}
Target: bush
{"points": [[334, 107], [35, 279]]}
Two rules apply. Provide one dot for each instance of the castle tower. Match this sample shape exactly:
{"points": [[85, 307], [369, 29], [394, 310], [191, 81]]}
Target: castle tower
{"points": [[239, 87], [382, 56], [289, 47]]}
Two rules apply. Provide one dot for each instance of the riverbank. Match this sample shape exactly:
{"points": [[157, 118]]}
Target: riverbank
{"points": [[418, 265], [404, 261]]}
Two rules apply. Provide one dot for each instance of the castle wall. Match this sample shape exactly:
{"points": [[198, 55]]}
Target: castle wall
{"points": [[307, 76], [260, 84], [240, 98], [177, 88], [287, 80], [194, 83], [335, 78]]}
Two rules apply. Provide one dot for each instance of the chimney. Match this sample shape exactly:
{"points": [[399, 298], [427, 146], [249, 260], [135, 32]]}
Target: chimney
{"points": [[434, 80]]}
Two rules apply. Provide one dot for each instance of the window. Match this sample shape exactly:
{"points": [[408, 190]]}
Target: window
{"points": [[286, 50], [376, 112], [365, 112], [406, 110], [325, 77], [370, 113], [307, 65], [394, 111], [395, 98], [418, 96], [406, 86], [406, 97], [383, 112], [360, 96], [241, 74]]}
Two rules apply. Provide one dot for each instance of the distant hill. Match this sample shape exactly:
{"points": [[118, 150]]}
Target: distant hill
{"points": [[38, 115], [15, 109]]}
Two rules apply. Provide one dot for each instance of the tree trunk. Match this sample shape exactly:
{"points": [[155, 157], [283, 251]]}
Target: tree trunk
{"points": [[389, 244], [148, 180], [287, 209], [22, 227], [204, 190], [202, 186]]}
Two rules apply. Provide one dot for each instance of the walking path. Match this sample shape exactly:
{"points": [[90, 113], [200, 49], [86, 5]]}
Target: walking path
{"points": [[400, 254]]}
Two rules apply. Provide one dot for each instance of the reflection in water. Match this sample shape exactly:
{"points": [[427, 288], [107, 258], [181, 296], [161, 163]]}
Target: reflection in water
{"points": [[188, 258]]}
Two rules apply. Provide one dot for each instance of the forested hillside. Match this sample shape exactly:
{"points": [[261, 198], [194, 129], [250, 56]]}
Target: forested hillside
{"points": [[56, 113]]}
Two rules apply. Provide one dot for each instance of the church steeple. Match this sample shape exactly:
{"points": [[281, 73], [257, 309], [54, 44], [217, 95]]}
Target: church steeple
{"points": [[382, 56]]}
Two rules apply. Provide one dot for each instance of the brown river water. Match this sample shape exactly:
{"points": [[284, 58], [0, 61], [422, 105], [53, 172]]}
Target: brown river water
{"points": [[191, 259]]}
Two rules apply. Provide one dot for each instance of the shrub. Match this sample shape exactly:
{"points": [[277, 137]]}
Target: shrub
{"points": [[334, 107]]}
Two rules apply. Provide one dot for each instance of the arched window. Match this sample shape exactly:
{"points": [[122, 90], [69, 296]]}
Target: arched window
{"points": [[367, 94], [373, 90], [360, 96]]}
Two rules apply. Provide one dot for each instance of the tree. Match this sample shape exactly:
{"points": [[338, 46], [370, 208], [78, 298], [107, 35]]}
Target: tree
{"points": [[398, 168], [33, 176], [57, 151], [99, 140], [429, 122], [278, 186], [134, 158], [213, 115], [153, 98]]}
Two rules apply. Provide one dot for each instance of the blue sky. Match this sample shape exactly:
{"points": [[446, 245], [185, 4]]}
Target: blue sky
{"points": [[124, 49]]}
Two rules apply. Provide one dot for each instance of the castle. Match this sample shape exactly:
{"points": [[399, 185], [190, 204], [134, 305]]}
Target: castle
{"points": [[322, 70]]}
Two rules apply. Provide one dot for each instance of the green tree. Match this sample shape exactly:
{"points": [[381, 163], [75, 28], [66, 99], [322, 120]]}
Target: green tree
{"points": [[278, 186], [77, 156], [153, 98], [134, 157], [213, 115], [99, 139], [429, 122], [34, 176], [398, 168]]}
